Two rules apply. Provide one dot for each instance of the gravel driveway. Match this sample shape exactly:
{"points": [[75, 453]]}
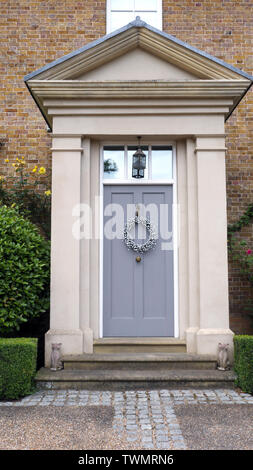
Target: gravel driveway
{"points": [[52, 428], [222, 427], [136, 419]]}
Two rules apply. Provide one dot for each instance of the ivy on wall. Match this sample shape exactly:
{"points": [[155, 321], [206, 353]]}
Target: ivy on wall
{"points": [[241, 253], [244, 220]]}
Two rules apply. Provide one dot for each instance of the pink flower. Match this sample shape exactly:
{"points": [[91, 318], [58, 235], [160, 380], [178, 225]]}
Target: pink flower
{"points": [[249, 252]]}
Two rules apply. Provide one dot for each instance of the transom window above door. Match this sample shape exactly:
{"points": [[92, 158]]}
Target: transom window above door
{"points": [[118, 161], [122, 12]]}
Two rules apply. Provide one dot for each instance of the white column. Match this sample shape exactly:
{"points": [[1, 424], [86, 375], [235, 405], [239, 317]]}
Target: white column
{"points": [[65, 248], [212, 244]]}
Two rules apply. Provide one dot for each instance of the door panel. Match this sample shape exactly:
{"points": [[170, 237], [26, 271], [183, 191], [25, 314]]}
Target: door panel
{"points": [[138, 298]]}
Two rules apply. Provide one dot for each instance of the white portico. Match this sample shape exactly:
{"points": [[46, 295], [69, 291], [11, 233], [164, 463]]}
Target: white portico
{"points": [[139, 81]]}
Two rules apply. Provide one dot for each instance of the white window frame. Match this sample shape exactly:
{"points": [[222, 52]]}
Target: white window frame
{"points": [[108, 17], [129, 179], [175, 217]]}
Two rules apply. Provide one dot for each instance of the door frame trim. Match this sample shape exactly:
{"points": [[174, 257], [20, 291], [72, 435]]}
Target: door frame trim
{"points": [[175, 217]]}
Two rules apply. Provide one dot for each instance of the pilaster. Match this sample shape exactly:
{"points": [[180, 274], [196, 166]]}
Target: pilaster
{"points": [[192, 248], [212, 245], [85, 308], [65, 248]]}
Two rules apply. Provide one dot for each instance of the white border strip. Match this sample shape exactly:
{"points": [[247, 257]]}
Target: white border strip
{"points": [[172, 182], [175, 244]]}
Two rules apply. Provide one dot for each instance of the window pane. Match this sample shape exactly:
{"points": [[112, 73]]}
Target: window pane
{"points": [[145, 5], [122, 5], [119, 19], [130, 151], [151, 18], [114, 162], [162, 163]]}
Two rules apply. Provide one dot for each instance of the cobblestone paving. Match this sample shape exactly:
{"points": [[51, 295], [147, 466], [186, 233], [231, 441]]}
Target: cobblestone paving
{"points": [[146, 418]]}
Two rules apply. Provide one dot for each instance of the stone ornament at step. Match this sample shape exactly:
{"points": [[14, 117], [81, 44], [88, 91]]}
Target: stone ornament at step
{"points": [[56, 363], [223, 362]]}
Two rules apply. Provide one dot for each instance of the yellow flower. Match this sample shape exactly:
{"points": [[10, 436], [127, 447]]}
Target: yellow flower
{"points": [[42, 170], [34, 169], [7, 160], [48, 192]]}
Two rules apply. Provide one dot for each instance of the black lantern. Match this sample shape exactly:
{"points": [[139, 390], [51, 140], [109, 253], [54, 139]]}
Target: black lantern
{"points": [[139, 163]]}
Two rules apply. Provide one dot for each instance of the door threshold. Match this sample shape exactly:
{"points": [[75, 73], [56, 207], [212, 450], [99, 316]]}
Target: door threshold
{"points": [[138, 345], [139, 340]]}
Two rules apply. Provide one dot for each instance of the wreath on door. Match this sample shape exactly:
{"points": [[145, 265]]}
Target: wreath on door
{"points": [[140, 247]]}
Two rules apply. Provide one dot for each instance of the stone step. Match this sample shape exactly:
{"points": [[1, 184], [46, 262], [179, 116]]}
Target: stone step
{"points": [[139, 361], [118, 379], [149, 345]]}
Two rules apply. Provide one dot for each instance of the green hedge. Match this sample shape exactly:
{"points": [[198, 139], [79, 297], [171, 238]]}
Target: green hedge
{"points": [[243, 347], [17, 367], [24, 271]]}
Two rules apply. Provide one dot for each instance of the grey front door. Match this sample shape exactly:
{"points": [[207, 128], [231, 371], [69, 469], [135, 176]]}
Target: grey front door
{"points": [[138, 297]]}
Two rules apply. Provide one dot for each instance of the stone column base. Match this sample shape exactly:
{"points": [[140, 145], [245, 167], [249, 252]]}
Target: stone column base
{"points": [[207, 341], [72, 342]]}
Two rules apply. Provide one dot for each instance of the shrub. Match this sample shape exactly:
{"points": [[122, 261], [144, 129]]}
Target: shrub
{"points": [[28, 189], [244, 362], [17, 367], [24, 271]]}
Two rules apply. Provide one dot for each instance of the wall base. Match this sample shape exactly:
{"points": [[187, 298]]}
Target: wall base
{"points": [[88, 340], [191, 342]]}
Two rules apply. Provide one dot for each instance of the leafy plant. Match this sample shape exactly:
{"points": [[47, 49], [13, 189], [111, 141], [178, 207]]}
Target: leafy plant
{"points": [[244, 257], [242, 254], [243, 221], [28, 191], [24, 270]]}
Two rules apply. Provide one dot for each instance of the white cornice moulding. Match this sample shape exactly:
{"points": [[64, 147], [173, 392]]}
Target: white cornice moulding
{"points": [[132, 103], [138, 90]]}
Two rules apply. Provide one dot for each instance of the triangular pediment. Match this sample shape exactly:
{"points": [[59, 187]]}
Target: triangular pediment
{"points": [[137, 64], [138, 35]]}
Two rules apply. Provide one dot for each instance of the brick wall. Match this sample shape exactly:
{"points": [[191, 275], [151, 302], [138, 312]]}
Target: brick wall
{"points": [[33, 33], [224, 28], [36, 32]]}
